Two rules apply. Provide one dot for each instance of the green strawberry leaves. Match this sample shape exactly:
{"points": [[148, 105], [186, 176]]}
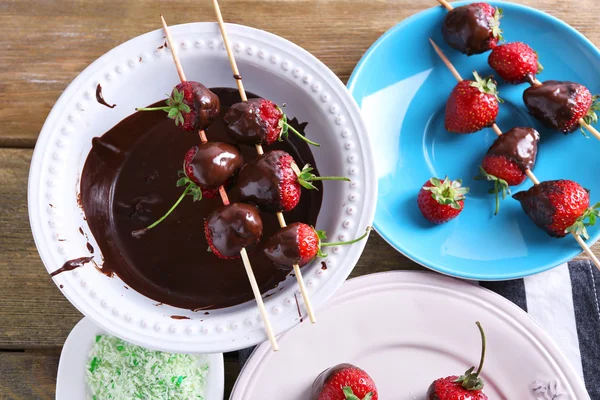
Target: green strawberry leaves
{"points": [[305, 177], [591, 117], [349, 393], [470, 380], [486, 85], [495, 25], [500, 186], [175, 107], [193, 189], [588, 218], [321, 235], [447, 192], [286, 128]]}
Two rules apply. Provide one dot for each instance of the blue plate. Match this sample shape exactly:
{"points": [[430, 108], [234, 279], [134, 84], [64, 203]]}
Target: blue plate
{"points": [[402, 86]]}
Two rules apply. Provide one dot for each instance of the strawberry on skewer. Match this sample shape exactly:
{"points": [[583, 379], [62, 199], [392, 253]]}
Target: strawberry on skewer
{"points": [[231, 228], [515, 62], [472, 28]]}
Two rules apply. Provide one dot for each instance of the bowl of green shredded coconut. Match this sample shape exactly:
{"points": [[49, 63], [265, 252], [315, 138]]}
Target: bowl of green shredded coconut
{"points": [[97, 366]]}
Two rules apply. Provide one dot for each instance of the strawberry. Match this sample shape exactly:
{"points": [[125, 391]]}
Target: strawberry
{"points": [[561, 105], [273, 181], [344, 382], [192, 106], [465, 387], [441, 201], [231, 228], [259, 121], [299, 244], [559, 207], [472, 28], [472, 105], [507, 160], [515, 62]]}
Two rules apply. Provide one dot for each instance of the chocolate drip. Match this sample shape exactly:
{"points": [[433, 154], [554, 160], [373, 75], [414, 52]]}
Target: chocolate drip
{"points": [[518, 145], [100, 97], [468, 29], [128, 182], [71, 265], [553, 103]]}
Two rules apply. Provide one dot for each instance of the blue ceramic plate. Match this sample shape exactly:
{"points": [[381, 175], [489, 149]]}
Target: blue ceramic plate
{"points": [[402, 86]]}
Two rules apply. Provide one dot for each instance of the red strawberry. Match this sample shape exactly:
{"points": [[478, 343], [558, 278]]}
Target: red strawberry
{"points": [[559, 207], [507, 159], [472, 105], [299, 244], [273, 181], [515, 62], [344, 382], [560, 105], [259, 121], [441, 201], [465, 387], [472, 28], [191, 105], [230, 228]]}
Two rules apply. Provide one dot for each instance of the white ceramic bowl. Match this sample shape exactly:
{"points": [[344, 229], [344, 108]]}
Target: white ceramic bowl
{"points": [[139, 72]]}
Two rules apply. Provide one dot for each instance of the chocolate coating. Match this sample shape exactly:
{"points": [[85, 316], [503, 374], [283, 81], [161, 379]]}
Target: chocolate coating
{"points": [[233, 227], [537, 205], [244, 124], [70, 265], [518, 145], [467, 29], [282, 247], [128, 182], [205, 103], [324, 377], [553, 103], [213, 163]]}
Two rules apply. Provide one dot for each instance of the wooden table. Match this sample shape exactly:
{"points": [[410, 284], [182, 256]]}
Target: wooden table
{"points": [[46, 44]]}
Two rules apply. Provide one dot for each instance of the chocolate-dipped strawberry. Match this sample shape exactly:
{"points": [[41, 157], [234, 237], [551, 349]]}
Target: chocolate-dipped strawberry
{"points": [[192, 106], [231, 228], [560, 105], [274, 182], [559, 207], [507, 159], [259, 121], [472, 28], [299, 244], [344, 382], [205, 168]]}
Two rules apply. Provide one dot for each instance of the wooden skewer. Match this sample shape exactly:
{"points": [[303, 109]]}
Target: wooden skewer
{"points": [[446, 4], [225, 199], [259, 150], [498, 132]]}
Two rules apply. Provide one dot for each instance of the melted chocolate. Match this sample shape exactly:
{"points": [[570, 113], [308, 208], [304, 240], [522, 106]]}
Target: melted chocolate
{"points": [[71, 265], [213, 163], [538, 206], [128, 182], [245, 124], [553, 103], [324, 377], [233, 227], [518, 145], [100, 97], [90, 247], [468, 29], [282, 248]]}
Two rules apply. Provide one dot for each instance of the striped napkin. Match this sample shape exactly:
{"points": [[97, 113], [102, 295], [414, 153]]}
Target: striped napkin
{"points": [[564, 301]]}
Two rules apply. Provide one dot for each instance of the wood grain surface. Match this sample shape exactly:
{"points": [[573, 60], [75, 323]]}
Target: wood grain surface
{"points": [[45, 44]]}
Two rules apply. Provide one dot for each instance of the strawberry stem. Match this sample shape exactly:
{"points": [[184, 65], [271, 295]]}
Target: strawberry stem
{"points": [[364, 235], [165, 108], [496, 190], [301, 136], [329, 178], [483, 345]]}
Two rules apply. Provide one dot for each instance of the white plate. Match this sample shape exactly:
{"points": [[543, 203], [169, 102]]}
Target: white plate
{"points": [[71, 381], [407, 329], [140, 72]]}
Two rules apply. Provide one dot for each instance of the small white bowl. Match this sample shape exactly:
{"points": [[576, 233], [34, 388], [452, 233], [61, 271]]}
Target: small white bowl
{"points": [[141, 71], [71, 380]]}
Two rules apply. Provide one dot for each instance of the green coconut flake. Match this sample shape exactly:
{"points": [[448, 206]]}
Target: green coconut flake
{"points": [[117, 370]]}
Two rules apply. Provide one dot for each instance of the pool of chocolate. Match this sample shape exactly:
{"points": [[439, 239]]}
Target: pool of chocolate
{"points": [[128, 182]]}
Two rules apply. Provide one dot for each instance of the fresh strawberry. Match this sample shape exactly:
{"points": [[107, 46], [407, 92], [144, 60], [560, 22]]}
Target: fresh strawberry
{"points": [[231, 228], [559, 207], [472, 28], [274, 182], [344, 382], [299, 244], [441, 201], [508, 159], [259, 121], [472, 105], [515, 62], [465, 387], [561, 105], [193, 106]]}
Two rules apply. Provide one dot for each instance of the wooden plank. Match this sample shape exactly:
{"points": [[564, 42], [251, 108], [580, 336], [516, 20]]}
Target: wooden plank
{"points": [[32, 375], [46, 44]]}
